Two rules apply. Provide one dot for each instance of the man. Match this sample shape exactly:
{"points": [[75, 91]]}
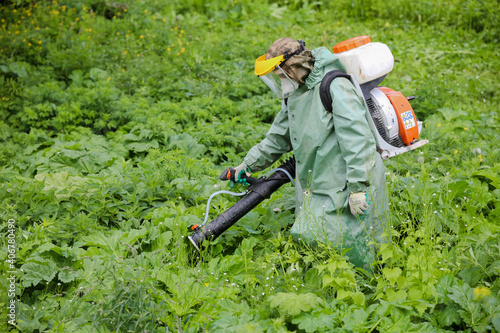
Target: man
{"points": [[341, 192]]}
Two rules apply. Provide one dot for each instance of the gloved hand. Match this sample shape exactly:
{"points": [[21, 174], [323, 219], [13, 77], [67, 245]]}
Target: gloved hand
{"points": [[358, 203], [238, 171]]}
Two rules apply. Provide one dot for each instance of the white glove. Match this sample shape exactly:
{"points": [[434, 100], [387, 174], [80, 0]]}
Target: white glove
{"points": [[238, 169], [357, 203]]}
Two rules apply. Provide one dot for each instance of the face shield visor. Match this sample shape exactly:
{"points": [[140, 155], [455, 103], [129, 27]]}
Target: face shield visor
{"points": [[273, 75], [280, 83]]}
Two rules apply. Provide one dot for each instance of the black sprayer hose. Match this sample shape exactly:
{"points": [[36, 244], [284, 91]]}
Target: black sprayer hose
{"points": [[258, 191]]}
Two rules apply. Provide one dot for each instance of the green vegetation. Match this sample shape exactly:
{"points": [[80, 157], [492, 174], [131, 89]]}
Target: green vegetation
{"points": [[116, 120]]}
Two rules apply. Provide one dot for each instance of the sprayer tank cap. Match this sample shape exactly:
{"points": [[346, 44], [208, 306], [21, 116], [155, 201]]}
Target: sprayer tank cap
{"points": [[351, 43]]}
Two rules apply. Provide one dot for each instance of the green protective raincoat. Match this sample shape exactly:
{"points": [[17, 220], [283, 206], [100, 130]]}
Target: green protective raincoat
{"points": [[336, 155]]}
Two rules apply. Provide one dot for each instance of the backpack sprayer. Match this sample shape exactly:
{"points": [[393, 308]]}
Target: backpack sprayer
{"points": [[397, 128], [368, 63]]}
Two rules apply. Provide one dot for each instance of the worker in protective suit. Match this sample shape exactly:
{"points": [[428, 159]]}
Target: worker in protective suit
{"points": [[341, 192]]}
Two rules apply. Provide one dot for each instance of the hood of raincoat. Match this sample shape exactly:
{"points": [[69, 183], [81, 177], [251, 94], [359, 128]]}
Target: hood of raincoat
{"points": [[324, 62]]}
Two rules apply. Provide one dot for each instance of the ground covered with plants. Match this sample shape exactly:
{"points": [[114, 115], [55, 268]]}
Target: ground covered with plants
{"points": [[116, 120]]}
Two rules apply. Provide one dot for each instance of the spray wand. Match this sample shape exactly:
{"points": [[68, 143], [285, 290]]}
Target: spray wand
{"points": [[259, 189]]}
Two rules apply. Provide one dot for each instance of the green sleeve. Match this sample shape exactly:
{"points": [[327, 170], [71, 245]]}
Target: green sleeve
{"points": [[276, 143], [355, 137]]}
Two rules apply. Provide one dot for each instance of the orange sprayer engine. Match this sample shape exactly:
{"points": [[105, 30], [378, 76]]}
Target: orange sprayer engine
{"points": [[368, 63]]}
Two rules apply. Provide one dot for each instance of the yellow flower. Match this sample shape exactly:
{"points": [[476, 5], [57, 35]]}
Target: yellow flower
{"points": [[480, 158], [466, 128], [168, 49], [180, 43], [40, 42], [182, 50], [456, 151], [142, 36], [125, 52], [206, 284], [138, 54], [29, 44], [481, 292], [108, 79], [118, 34], [439, 125], [182, 31], [164, 20]]}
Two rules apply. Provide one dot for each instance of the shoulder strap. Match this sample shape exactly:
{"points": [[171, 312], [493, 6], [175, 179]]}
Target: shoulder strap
{"points": [[324, 89], [326, 97]]}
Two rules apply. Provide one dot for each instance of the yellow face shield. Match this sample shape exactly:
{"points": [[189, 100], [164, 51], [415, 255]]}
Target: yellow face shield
{"points": [[263, 66]]}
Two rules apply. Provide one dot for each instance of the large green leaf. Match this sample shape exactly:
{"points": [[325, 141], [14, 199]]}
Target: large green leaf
{"points": [[36, 272], [315, 322], [392, 274], [448, 316], [470, 310], [66, 275], [291, 304]]}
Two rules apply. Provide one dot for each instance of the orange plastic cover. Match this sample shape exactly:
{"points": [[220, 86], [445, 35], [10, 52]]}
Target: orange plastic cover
{"points": [[408, 127], [351, 43]]}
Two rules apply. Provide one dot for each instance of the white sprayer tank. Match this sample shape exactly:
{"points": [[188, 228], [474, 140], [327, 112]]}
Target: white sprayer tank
{"points": [[364, 59]]}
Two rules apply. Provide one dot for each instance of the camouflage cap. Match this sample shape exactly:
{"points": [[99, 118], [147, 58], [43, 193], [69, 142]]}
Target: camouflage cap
{"points": [[298, 66]]}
